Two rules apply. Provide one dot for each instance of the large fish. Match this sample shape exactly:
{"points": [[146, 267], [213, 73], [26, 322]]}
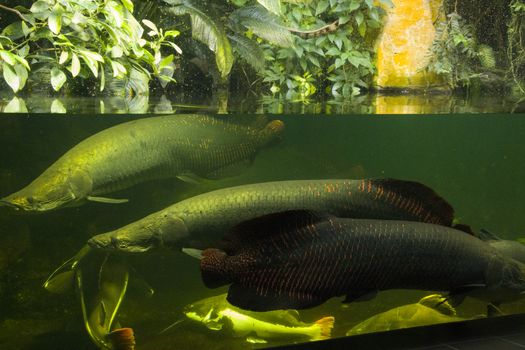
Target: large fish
{"points": [[184, 146], [299, 259], [258, 327], [210, 215]]}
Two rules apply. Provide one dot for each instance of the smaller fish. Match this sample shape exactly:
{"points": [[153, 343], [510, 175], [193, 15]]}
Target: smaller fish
{"points": [[507, 247], [100, 311], [258, 327], [431, 309]]}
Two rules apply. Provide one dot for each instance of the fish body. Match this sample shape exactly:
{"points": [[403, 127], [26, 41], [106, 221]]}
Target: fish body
{"points": [[429, 310], [299, 259], [208, 216], [185, 146], [217, 314]]}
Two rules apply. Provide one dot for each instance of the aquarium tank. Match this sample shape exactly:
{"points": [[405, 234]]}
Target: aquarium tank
{"points": [[241, 174]]}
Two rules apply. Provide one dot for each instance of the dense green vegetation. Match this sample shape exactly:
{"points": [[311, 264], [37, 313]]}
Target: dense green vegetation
{"points": [[292, 49]]}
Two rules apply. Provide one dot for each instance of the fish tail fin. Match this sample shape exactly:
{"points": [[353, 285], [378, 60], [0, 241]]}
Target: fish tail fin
{"points": [[213, 268], [273, 130], [122, 339], [324, 326]]}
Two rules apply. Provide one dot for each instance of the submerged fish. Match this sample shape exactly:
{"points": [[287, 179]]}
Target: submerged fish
{"points": [[100, 311], [184, 146], [299, 259], [217, 314], [210, 215], [510, 248], [431, 309]]}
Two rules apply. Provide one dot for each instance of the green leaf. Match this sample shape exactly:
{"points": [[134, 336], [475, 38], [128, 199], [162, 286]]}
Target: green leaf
{"points": [[58, 78], [10, 77], [116, 12], [63, 57], [40, 6], [354, 5], [116, 52], [362, 29], [75, 65], [92, 55], [274, 6], [23, 51], [15, 30], [321, 7], [359, 17], [16, 105], [55, 19], [8, 57], [91, 63], [209, 32], [249, 50], [128, 5], [151, 26], [57, 106], [22, 74], [263, 24]]}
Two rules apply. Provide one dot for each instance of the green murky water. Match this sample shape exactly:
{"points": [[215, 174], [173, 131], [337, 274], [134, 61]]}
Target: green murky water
{"points": [[474, 161]]}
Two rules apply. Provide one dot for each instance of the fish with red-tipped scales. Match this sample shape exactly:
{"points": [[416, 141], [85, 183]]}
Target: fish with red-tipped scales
{"points": [[208, 216], [300, 259], [189, 147]]}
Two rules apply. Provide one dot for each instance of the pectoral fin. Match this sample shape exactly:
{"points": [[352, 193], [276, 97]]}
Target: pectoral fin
{"points": [[255, 340], [194, 253], [107, 200], [190, 178]]}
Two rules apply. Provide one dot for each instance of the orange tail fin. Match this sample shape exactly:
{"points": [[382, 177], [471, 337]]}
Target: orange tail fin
{"points": [[122, 339], [325, 324]]}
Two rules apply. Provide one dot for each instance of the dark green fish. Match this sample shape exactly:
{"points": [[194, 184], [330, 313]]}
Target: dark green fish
{"points": [[183, 146], [208, 216], [298, 259]]}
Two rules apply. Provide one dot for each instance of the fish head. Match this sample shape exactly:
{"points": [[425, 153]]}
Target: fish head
{"points": [[205, 313], [51, 190], [155, 231]]}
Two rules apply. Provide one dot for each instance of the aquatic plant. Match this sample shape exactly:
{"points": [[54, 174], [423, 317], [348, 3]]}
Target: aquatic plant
{"points": [[67, 39], [333, 44]]}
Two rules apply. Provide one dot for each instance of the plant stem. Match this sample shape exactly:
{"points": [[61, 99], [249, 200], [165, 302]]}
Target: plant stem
{"points": [[14, 11]]}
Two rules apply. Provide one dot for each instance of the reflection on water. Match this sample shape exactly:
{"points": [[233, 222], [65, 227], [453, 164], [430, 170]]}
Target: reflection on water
{"points": [[364, 104]]}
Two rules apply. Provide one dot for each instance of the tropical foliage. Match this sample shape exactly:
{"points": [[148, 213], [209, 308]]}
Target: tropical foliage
{"points": [[456, 54], [233, 29], [84, 38], [339, 62]]}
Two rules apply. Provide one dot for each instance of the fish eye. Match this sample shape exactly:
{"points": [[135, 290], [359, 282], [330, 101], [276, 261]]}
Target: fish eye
{"points": [[30, 199]]}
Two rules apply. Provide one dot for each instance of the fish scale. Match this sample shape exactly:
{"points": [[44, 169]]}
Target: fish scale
{"points": [[358, 255]]}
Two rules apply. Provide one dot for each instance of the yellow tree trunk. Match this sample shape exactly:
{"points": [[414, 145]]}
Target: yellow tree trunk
{"points": [[403, 47]]}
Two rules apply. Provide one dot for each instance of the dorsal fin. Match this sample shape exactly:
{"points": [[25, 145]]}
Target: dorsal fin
{"points": [[431, 201], [269, 225]]}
